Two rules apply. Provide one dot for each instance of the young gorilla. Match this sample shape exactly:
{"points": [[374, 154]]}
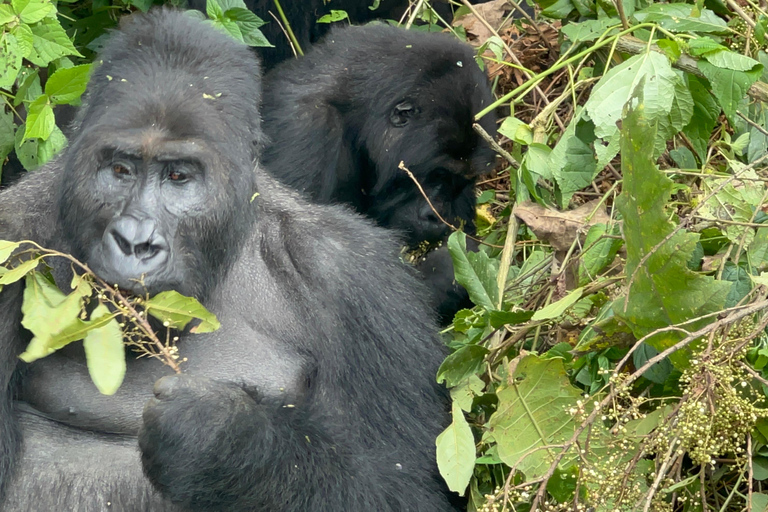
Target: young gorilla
{"points": [[342, 118], [318, 391]]}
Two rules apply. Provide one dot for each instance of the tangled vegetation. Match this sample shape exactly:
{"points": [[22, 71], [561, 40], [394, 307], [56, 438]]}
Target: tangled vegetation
{"points": [[617, 356]]}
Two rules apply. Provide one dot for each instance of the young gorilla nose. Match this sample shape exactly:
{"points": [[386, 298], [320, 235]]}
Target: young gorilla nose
{"points": [[135, 246]]}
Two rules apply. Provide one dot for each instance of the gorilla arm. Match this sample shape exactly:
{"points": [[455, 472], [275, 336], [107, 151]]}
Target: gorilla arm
{"points": [[362, 437]]}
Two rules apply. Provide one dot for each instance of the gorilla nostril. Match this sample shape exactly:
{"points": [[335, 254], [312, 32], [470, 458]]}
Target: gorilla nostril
{"points": [[146, 250], [122, 243]]}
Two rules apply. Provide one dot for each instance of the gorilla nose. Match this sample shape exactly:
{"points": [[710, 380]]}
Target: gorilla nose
{"points": [[137, 239]]}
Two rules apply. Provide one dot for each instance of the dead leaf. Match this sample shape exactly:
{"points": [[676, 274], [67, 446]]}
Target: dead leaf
{"points": [[560, 228], [493, 12]]}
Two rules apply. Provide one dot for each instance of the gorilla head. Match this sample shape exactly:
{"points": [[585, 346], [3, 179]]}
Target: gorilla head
{"points": [[164, 194], [344, 117]]}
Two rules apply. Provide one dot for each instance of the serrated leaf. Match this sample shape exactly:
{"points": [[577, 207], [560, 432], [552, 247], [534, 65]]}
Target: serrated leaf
{"points": [[67, 85], [40, 120], [663, 291], [228, 27], [572, 160], [679, 17], [49, 148], [178, 311], [249, 24], [729, 86], [105, 354], [588, 30], [19, 271], [516, 130], [705, 114], [24, 37], [32, 11], [475, 271], [456, 452], [213, 9], [701, 45], [50, 42]]}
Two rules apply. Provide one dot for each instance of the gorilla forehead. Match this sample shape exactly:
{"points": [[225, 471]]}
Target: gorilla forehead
{"points": [[151, 74]]}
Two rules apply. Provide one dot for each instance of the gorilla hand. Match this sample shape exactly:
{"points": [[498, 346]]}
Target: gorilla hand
{"points": [[193, 432]]}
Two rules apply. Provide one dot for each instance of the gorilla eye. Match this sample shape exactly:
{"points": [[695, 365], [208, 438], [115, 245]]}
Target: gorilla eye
{"points": [[402, 112], [121, 169], [177, 176]]}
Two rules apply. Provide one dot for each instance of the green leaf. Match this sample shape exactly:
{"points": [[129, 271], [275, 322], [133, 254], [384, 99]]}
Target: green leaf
{"points": [[228, 27], [33, 153], [671, 48], [731, 60], [679, 17], [178, 311], [702, 45], [32, 11], [7, 134], [533, 412], [572, 160], [6, 249], [556, 309], [705, 114], [475, 271], [213, 10], [760, 468], [46, 312], [333, 16], [759, 501], [67, 85], [249, 24], [143, 6], [6, 14], [105, 354], [456, 452], [600, 252], [40, 120], [11, 55], [562, 484], [19, 271], [24, 37], [662, 291], [49, 148], [501, 318], [516, 130], [588, 30], [729, 86], [29, 88], [466, 361], [50, 42]]}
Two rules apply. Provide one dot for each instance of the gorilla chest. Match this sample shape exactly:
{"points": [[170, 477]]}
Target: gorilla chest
{"points": [[59, 387]]}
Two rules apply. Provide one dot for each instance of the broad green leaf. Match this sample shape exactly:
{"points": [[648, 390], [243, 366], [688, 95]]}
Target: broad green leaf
{"points": [[7, 134], [671, 49], [729, 86], [11, 55], [572, 160], [516, 130], [33, 153], [178, 311], [731, 60], [6, 14], [475, 271], [466, 361], [67, 85], [599, 252], [556, 309], [466, 391], [78, 329], [501, 318], [32, 11], [47, 149], [6, 249], [40, 120], [105, 354], [229, 5], [213, 9], [705, 114], [456, 452], [50, 43], [249, 25], [702, 45], [533, 412], [29, 88], [228, 27], [333, 16], [19, 271], [662, 291], [47, 311], [588, 30], [679, 17], [759, 501], [24, 37]]}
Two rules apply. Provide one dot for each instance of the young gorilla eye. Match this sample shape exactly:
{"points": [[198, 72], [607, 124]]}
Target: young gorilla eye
{"points": [[178, 175], [402, 112]]}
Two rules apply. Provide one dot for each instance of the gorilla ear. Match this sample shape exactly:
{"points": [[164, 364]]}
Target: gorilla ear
{"points": [[402, 112]]}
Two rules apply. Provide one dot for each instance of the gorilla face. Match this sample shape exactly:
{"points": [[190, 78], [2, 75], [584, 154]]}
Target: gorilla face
{"points": [[157, 188]]}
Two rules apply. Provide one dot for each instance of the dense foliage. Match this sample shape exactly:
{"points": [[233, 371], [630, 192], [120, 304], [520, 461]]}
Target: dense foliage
{"points": [[617, 356]]}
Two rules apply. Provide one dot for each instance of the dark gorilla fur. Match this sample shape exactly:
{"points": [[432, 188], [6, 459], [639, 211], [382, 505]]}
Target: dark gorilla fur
{"points": [[342, 118], [318, 392]]}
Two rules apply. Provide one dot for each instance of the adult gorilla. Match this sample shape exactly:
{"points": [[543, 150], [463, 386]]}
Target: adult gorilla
{"points": [[342, 118], [318, 391]]}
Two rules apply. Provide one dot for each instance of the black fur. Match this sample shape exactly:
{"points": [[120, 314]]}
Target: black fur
{"points": [[318, 392], [342, 119]]}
